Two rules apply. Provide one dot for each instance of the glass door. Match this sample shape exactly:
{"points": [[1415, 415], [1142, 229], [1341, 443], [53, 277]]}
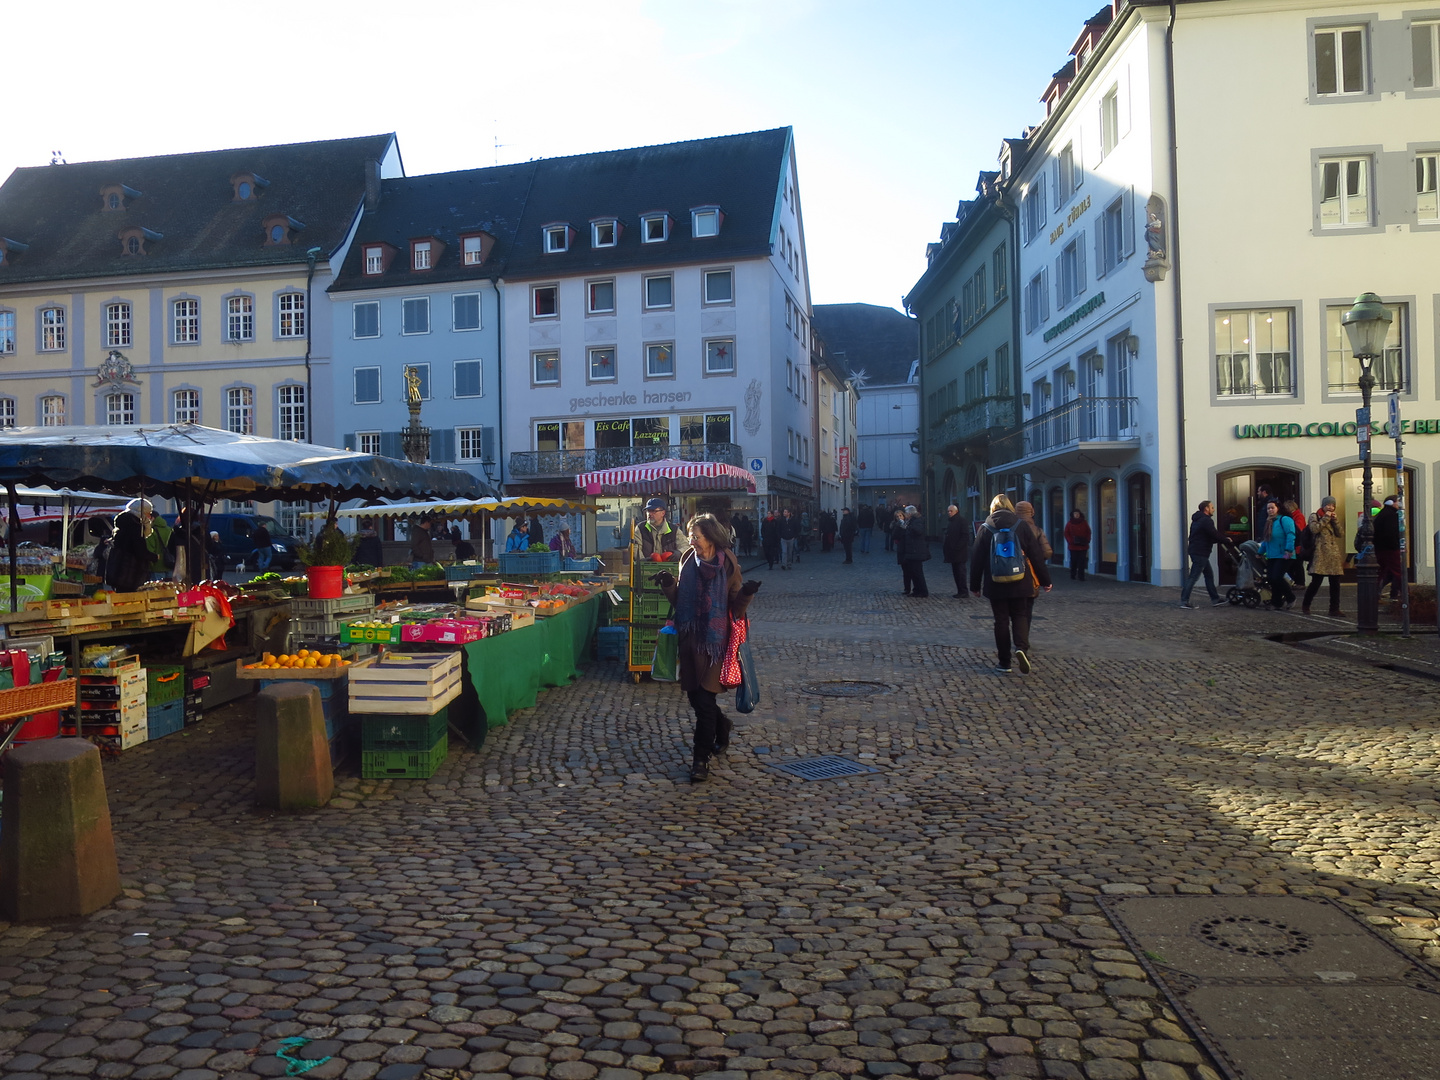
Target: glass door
{"points": [[1107, 528], [1055, 519], [1347, 487], [1137, 516]]}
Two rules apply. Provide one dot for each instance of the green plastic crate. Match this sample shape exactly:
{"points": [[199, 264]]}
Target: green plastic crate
{"points": [[644, 577], [164, 684], [649, 607], [642, 644], [350, 634], [402, 732], [404, 764]]}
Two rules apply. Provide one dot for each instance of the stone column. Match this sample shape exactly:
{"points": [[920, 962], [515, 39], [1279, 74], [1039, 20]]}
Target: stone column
{"points": [[292, 756]]}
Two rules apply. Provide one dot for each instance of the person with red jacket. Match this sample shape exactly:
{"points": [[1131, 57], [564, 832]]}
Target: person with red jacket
{"points": [[1077, 540]]}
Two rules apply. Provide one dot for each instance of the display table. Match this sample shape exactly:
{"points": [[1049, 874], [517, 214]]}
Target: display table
{"points": [[508, 670]]}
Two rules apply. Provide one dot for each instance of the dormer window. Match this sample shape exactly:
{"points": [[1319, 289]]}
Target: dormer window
{"points": [[472, 252], [280, 229], [116, 196], [654, 228], [134, 239], [246, 186], [604, 232], [557, 238], [9, 249], [705, 221], [374, 260], [420, 255]]}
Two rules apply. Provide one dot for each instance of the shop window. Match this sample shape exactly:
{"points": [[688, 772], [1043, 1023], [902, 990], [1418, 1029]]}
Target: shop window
{"points": [[1253, 353], [1391, 369]]}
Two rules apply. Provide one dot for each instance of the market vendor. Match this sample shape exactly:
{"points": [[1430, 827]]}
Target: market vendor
{"points": [[155, 532], [519, 538], [422, 546], [561, 542], [128, 558], [655, 535], [369, 551]]}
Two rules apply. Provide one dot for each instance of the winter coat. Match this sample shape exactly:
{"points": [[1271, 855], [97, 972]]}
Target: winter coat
{"points": [[1077, 535], [1329, 559], [848, 527], [370, 551], [654, 540], [518, 540], [1026, 511], [1279, 537], [696, 670], [770, 531], [917, 545], [867, 517], [1203, 535], [422, 546], [1387, 529], [1029, 539], [897, 537], [129, 560], [789, 528], [956, 545]]}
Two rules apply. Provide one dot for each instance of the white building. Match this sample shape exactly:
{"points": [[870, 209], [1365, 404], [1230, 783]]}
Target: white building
{"points": [[1179, 324]]}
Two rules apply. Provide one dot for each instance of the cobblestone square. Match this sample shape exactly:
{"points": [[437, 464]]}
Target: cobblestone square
{"points": [[564, 903]]}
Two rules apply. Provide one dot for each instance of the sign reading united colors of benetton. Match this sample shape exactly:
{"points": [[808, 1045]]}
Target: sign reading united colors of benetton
{"points": [[1327, 428]]}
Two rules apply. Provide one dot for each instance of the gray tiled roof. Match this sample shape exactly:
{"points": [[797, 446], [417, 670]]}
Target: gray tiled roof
{"points": [[188, 200], [880, 341]]}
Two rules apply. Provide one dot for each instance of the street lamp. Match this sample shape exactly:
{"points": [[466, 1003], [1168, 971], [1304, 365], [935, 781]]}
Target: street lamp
{"points": [[1367, 324]]}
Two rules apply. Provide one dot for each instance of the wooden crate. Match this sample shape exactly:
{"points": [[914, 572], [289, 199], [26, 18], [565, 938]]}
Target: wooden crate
{"points": [[418, 685]]}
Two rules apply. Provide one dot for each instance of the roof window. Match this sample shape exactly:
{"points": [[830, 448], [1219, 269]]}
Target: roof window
{"points": [[654, 228], [9, 249], [134, 239], [605, 232], [705, 221], [557, 237], [377, 258], [425, 252], [280, 229], [117, 196], [247, 186]]}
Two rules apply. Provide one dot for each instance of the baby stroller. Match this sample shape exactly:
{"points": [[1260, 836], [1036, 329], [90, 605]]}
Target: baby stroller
{"points": [[1250, 588]]}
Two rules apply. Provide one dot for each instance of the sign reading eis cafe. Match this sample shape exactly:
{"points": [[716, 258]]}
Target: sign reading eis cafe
{"points": [[1327, 428]]}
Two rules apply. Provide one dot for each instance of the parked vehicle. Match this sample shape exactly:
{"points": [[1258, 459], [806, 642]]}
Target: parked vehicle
{"points": [[235, 538]]}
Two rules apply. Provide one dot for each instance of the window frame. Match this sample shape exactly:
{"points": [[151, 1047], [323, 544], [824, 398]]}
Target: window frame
{"points": [[590, 376], [706, 275], [53, 419], [9, 412], [361, 437], [479, 379], [175, 407], [1419, 157], [466, 250], [555, 239], [373, 256], [1431, 23], [478, 439], [710, 372], [1253, 394], [1404, 314], [590, 285], [1000, 273], [130, 409], [455, 327], [1342, 158], [244, 319], [650, 373], [53, 333], [536, 356], [536, 291], [614, 226], [355, 398], [710, 212], [1336, 27], [405, 308], [421, 255], [119, 331], [669, 305], [646, 220], [354, 313], [1109, 121], [298, 316], [286, 413], [243, 409], [188, 323]]}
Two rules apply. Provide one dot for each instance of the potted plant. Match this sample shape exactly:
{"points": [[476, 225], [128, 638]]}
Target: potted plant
{"points": [[325, 561]]}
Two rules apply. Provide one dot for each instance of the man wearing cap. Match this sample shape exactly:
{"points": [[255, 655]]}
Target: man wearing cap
{"points": [[1387, 547], [656, 537]]}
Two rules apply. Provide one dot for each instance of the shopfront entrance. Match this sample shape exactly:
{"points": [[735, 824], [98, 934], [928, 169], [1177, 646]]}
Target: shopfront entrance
{"points": [[1235, 511], [1106, 528], [1055, 521], [1137, 516], [1347, 488]]}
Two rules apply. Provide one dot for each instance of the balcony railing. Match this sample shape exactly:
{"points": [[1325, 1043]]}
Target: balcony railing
{"points": [[1073, 426], [974, 422], [529, 464]]}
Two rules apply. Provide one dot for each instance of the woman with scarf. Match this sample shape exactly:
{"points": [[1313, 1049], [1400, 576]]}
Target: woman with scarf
{"points": [[707, 596]]}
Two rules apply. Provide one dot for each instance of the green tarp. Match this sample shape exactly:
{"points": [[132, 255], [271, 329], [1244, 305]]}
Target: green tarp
{"points": [[509, 670]]}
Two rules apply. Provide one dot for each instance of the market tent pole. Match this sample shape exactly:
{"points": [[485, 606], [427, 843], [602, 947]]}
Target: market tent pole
{"points": [[64, 527], [12, 543]]}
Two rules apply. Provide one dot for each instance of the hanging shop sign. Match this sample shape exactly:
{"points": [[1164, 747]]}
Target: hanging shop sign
{"points": [[1328, 429]]}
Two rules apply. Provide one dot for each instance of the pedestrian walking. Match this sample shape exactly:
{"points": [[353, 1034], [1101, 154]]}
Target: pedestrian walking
{"points": [[1077, 542], [745, 534], [999, 572], [1202, 541], [916, 551], [1387, 548], [848, 528], [708, 596], [896, 543], [802, 537], [1279, 549], [889, 527], [789, 537], [1296, 570], [770, 542], [866, 523], [1026, 510], [1328, 560], [956, 547]]}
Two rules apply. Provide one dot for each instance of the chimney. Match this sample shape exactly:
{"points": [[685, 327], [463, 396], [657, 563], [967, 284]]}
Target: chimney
{"points": [[372, 186]]}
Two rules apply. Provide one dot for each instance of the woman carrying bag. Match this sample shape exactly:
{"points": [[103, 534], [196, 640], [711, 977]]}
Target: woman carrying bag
{"points": [[709, 597]]}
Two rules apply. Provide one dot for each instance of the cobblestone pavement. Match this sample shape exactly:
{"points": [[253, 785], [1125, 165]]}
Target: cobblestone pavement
{"points": [[564, 904]]}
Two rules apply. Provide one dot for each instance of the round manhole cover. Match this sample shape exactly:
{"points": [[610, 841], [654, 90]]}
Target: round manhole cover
{"points": [[1249, 936], [844, 688]]}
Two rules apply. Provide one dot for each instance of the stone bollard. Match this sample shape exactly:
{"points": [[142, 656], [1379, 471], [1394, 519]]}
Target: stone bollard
{"points": [[292, 755], [57, 854]]}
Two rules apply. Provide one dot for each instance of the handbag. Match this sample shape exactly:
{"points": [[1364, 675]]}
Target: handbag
{"points": [[730, 673], [665, 665], [748, 694]]}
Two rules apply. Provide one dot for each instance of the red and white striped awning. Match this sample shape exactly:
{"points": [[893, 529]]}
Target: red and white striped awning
{"points": [[667, 477]]}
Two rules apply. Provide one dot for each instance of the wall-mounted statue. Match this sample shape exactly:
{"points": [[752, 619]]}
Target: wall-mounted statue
{"points": [[1157, 240]]}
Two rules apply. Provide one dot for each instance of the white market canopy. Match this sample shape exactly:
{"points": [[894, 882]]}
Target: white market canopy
{"points": [[517, 507]]}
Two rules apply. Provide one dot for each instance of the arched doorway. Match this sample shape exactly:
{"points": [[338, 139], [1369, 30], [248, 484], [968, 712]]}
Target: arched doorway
{"points": [[1235, 514], [1137, 517], [1055, 521], [1105, 529], [1347, 488]]}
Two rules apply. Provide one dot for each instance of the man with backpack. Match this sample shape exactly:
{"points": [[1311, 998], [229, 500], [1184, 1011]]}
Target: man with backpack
{"points": [[1007, 564]]}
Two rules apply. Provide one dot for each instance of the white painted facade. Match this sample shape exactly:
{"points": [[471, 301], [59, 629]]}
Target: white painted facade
{"points": [[888, 434]]}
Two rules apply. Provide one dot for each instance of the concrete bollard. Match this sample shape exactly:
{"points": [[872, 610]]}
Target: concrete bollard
{"points": [[57, 854], [292, 755]]}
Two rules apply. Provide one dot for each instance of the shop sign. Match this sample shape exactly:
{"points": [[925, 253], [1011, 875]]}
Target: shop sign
{"points": [[844, 453], [1328, 429], [1075, 316]]}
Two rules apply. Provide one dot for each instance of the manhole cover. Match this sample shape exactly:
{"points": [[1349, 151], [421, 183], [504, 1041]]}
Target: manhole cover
{"points": [[844, 688], [822, 768], [1252, 937]]}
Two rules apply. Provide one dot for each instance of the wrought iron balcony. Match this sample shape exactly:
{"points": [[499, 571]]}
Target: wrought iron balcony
{"points": [[537, 464], [974, 422], [1089, 424]]}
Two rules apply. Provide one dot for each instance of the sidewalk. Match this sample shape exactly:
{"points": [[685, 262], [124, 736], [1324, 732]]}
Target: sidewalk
{"points": [[565, 904]]}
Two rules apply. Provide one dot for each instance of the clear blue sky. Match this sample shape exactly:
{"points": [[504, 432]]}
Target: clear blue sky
{"points": [[895, 105]]}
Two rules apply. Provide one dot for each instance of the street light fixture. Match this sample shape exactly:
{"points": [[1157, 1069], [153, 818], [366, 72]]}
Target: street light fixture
{"points": [[1367, 325]]}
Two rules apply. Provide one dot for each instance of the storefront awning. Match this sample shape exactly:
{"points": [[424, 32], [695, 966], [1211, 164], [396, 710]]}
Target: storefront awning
{"points": [[667, 478], [517, 507]]}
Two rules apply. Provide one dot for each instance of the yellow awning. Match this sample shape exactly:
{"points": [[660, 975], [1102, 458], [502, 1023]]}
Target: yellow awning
{"points": [[516, 507]]}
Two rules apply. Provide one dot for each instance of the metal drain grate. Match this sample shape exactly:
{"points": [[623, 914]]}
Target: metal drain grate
{"points": [[1249, 936], [822, 768], [844, 688]]}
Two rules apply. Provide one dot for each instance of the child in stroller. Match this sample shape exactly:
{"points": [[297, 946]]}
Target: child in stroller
{"points": [[1251, 586]]}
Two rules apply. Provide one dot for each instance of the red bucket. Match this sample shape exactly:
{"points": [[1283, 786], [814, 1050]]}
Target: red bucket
{"points": [[326, 582], [45, 725]]}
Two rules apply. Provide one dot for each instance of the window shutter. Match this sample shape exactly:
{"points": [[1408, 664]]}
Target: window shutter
{"points": [[1080, 264], [487, 444], [1128, 213], [442, 445], [1058, 195], [1044, 294], [1059, 283], [1100, 247], [350, 441], [391, 446], [1122, 105], [1079, 166]]}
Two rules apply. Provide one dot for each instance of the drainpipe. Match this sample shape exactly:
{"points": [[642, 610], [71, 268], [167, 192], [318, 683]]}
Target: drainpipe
{"points": [[310, 257], [1175, 283], [499, 390]]}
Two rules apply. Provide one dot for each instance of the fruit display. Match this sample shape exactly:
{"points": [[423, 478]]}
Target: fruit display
{"points": [[305, 658]]}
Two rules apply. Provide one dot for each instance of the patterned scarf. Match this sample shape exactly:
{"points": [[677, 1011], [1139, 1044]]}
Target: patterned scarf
{"points": [[702, 603]]}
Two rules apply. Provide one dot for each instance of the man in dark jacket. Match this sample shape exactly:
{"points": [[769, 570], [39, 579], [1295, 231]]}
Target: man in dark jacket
{"points": [[915, 550], [1009, 600], [1203, 538], [1387, 547], [865, 521], [770, 539], [127, 564], [789, 537], [956, 547], [848, 528]]}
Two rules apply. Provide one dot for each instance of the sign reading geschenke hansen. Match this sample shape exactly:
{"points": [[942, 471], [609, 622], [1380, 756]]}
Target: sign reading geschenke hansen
{"points": [[1327, 428]]}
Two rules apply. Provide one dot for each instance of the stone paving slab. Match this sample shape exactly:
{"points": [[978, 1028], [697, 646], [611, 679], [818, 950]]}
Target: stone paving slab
{"points": [[563, 903]]}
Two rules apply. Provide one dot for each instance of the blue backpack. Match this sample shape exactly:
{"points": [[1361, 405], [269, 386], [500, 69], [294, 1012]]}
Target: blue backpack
{"points": [[1007, 561]]}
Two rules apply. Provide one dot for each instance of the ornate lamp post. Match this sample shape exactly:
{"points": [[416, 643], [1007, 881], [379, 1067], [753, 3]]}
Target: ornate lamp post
{"points": [[415, 439], [1366, 324]]}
